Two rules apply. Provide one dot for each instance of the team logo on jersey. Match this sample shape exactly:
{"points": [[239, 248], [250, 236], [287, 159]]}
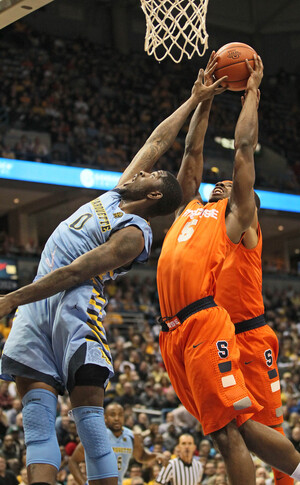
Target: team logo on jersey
{"points": [[101, 214], [124, 439], [117, 214], [201, 212]]}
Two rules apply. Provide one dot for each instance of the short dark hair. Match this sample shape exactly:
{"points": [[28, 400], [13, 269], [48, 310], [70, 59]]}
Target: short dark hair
{"points": [[171, 199]]}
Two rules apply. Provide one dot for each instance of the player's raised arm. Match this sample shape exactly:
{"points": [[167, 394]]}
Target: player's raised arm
{"points": [[242, 202], [120, 250], [191, 169], [250, 238], [164, 135]]}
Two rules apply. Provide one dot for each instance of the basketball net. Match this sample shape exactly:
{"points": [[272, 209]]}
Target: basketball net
{"points": [[175, 28]]}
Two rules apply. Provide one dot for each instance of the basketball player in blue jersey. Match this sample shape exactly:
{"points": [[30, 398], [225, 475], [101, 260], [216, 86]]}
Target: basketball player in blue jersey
{"points": [[58, 341], [124, 442]]}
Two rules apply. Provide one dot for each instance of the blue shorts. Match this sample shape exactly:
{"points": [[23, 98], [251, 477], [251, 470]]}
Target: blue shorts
{"points": [[50, 339]]}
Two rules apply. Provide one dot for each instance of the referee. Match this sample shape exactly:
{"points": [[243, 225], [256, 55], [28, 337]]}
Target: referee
{"points": [[185, 469]]}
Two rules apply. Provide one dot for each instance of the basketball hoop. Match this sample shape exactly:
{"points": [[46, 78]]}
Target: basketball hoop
{"points": [[175, 28]]}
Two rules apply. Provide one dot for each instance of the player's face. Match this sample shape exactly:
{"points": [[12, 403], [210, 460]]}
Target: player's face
{"points": [[221, 191], [143, 183], [114, 417], [186, 448]]}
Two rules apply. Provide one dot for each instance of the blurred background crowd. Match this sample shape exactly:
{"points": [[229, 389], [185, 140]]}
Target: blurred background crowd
{"points": [[50, 111]]}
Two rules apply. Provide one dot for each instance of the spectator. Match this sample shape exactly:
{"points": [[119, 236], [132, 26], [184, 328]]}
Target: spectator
{"points": [[6, 400], [10, 449], [208, 472], [3, 423], [206, 449], [11, 413], [183, 419], [135, 471], [7, 477], [129, 397], [23, 476]]}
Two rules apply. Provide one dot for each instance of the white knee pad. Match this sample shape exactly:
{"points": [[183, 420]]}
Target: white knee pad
{"points": [[39, 413]]}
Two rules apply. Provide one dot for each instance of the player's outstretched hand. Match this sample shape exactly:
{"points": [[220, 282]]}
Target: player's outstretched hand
{"points": [[256, 73], [200, 91], [210, 69]]}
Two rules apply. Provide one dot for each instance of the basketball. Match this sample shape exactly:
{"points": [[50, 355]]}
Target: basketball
{"points": [[232, 63]]}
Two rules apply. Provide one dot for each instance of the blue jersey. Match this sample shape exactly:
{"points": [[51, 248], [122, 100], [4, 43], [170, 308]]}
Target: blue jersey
{"points": [[66, 329], [89, 227], [123, 449]]}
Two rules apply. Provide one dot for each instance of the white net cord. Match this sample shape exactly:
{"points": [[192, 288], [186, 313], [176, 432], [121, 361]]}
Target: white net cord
{"points": [[175, 28]]}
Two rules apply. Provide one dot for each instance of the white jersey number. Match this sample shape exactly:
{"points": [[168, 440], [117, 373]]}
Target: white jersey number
{"points": [[187, 231]]}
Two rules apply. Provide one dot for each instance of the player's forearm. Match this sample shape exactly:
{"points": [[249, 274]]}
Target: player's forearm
{"points": [[146, 457], [246, 131], [59, 280], [198, 126], [168, 129], [74, 469]]}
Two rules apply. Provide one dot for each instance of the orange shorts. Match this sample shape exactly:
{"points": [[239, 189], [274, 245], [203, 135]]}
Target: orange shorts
{"points": [[202, 359], [258, 356]]}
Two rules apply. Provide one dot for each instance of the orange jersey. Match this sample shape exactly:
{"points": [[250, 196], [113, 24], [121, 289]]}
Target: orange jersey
{"points": [[192, 256], [239, 285]]}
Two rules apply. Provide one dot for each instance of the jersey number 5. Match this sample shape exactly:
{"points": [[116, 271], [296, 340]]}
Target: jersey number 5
{"points": [[187, 231]]}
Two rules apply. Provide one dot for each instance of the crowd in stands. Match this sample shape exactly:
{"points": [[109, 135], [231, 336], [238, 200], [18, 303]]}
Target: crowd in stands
{"points": [[99, 106], [141, 385]]}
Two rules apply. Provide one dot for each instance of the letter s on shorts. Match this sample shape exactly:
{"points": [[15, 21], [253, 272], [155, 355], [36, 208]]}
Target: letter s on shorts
{"points": [[222, 347]]}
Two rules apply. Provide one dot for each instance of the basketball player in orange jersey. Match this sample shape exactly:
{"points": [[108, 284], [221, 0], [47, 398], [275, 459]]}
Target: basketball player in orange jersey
{"points": [[239, 291], [197, 341]]}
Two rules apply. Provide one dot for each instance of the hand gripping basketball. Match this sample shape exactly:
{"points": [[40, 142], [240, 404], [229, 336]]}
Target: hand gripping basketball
{"points": [[232, 62], [202, 91], [256, 73]]}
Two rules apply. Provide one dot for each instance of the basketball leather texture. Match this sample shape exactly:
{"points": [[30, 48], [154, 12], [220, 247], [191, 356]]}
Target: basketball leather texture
{"points": [[232, 63]]}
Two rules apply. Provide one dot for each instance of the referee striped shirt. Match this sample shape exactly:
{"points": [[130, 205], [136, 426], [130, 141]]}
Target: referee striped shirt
{"points": [[177, 472]]}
